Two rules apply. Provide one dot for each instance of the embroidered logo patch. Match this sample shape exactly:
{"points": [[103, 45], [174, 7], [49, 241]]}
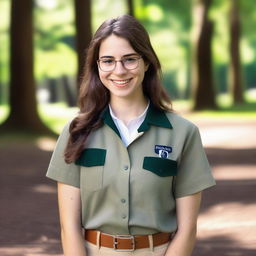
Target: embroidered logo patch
{"points": [[163, 151]]}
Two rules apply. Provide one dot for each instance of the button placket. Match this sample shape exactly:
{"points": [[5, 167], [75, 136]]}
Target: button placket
{"points": [[126, 167], [124, 187]]}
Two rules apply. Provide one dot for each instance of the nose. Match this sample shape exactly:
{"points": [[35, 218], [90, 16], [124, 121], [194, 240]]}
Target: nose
{"points": [[119, 69]]}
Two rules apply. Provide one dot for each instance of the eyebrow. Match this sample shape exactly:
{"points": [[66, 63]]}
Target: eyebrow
{"points": [[126, 55]]}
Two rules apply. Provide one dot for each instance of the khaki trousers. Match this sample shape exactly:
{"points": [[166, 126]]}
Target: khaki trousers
{"points": [[94, 250]]}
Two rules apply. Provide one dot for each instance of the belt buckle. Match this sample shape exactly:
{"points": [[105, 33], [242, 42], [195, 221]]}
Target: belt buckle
{"points": [[115, 243]]}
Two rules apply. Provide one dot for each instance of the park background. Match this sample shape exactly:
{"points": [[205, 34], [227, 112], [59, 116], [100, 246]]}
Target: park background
{"points": [[207, 51]]}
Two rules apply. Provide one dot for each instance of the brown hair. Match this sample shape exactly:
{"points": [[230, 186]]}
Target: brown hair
{"points": [[93, 95]]}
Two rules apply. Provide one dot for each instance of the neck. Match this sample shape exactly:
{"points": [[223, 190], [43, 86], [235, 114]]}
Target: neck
{"points": [[126, 110]]}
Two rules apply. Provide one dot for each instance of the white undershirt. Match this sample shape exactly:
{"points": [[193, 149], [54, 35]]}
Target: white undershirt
{"points": [[129, 132]]}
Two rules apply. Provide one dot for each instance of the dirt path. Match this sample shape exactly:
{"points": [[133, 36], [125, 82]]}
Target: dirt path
{"points": [[227, 222]]}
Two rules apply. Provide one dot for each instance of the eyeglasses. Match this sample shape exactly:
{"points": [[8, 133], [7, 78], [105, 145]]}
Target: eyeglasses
{"points": [[109, 64]]}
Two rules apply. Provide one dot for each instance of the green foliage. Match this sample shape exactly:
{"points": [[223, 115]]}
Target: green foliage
{"points": [[219, 15], [54, 63], [169, 23], [165, 11], [54, 39], [248, 15], [106, 9], [4, 40], [5, 14]]}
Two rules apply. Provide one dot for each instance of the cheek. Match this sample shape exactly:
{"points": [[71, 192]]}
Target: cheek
{"points": [[141, 75], [102, 76]]}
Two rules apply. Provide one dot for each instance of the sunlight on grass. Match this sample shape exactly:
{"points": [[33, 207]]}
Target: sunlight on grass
{"points": [[250, 95], [224, 100], [4, 110], [56, 115], [227, 111], [223, 115], [182, 106]]}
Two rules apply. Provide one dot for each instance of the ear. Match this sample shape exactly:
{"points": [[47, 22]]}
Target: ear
{"points": [[146, 66]]}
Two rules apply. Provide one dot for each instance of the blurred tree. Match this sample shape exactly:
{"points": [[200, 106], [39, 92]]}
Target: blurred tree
{"points": [[1, 86], [130, 7], [235, 76], [52, 87], [203, 85], [83, 19], [169, 23], [22, 96], [68, 93]]}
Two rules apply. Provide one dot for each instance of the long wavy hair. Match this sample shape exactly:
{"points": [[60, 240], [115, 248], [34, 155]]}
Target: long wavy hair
{"points": [[93, 95]]}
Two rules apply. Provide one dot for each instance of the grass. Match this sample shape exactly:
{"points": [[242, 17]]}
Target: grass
{"points": [[3, 112], [227, 111], [56, 115]]}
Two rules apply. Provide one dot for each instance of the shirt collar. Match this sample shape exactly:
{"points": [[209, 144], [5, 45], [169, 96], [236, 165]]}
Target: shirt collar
{"points": [[141, 116], [153, 117], [107, 119]]}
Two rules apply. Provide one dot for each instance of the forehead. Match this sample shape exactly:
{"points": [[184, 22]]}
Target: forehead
{"points": [[115, 46]]}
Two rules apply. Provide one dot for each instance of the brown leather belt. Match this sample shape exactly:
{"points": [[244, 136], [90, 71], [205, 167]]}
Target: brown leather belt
{"points": [[126, 242]]}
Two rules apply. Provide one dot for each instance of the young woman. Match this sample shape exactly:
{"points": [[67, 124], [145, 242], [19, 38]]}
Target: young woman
{"points": [[130, 171]]}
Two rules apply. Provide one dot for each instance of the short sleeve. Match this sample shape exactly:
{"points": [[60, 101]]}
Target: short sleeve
{"points": [[58, 169], [194, 172]]}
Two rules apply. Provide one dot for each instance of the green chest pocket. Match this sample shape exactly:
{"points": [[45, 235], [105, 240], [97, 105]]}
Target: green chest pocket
{"points": [[160, 166], [92, 162]]}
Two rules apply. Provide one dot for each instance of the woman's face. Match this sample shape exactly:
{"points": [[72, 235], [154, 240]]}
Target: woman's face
{"points": [[121, 82]]}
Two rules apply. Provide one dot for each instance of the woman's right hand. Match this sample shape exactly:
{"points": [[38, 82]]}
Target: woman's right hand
{"points": [[69, 200]]}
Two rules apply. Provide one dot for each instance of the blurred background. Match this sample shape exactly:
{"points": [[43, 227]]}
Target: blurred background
{"points": [[208, 57], [207, 51]]}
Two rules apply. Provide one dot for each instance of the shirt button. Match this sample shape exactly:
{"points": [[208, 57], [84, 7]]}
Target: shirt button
{"points": [[126, 167], [123, 200], [124, 216]]}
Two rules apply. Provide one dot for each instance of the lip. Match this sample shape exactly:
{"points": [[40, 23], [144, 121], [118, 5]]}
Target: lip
{"points": [[120, 82]]}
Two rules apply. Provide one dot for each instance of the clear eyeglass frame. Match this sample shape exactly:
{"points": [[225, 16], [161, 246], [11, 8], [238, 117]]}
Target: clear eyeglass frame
{"points": [[125, 64]]}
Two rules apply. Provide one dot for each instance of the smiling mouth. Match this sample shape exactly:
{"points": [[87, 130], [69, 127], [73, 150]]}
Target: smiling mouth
{"points": [[121, 82]]}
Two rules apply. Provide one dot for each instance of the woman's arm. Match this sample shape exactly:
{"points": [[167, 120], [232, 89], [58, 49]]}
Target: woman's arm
{"points": [[187, 209], [69, 200]]}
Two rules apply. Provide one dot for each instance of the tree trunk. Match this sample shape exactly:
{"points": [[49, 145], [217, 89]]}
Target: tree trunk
{"points": [[203, 85], [83, 33], [68, 93], [130, 7], [52, 87], [22, 96], [235, 75]]}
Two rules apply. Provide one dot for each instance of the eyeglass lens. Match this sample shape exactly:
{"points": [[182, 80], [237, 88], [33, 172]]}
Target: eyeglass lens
{"points": [[109, 64]]}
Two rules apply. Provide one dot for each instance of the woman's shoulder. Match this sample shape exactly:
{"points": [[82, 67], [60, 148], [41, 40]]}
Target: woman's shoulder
{"points": [[66, 125], [65, 130], [178, 121]]}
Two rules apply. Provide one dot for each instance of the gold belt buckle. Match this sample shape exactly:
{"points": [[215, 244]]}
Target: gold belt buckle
{"points": [[115, 243]]}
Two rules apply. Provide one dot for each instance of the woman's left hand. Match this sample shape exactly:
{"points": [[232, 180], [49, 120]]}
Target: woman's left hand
{"points": [[187, 209]]}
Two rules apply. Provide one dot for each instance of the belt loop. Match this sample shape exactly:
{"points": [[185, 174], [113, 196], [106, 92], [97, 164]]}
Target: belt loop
{"points": [[151, 242], [98, 239]]}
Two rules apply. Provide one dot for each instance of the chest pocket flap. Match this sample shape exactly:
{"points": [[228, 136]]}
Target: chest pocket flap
{"points": [[160, 166], [92, 157]]}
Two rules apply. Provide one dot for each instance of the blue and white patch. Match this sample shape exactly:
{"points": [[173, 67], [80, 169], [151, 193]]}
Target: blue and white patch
{"points": [[163, 151]]}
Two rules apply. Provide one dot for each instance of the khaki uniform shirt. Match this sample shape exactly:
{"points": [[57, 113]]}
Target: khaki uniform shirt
{"points": [[132, 190]]}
